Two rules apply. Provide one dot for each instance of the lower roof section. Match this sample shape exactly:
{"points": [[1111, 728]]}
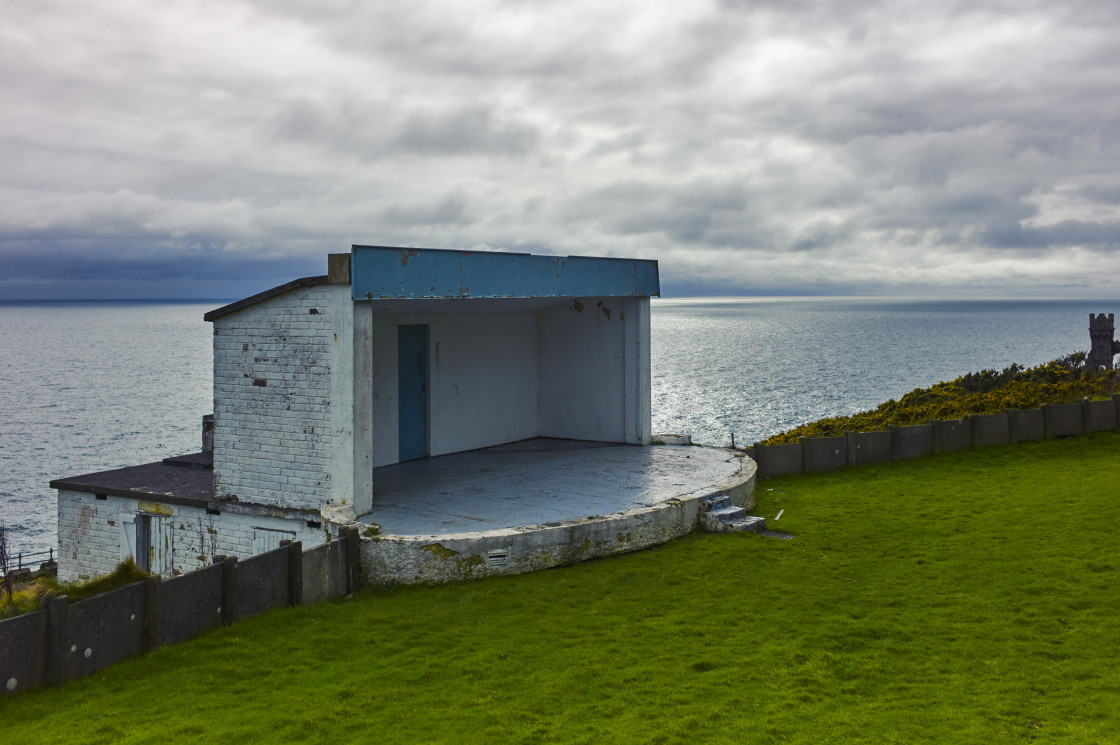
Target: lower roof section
{"points": [[185, 480]]}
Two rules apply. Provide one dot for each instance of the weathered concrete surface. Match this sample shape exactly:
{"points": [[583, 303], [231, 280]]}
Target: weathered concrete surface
{"points": [[1027, 424], [869, 447], [952, 434], [1100, 415], [539, 504], [1062, 420], [778, 460], [824, 453], [991, 429], [914, 441]]}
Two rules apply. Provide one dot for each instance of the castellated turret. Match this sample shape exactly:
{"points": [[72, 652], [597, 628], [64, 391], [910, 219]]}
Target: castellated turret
{"points": [[1102, 345]]}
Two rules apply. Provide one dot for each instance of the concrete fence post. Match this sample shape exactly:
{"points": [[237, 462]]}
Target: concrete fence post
{"points": [[1012, 425], [1086, 421], [896, 443], [1047, 422], [936, 435], [295, 572], [56, 639], [760, 461], [851, 437], [352, 548], [229, 588], [150, 635], [1116, 403]]}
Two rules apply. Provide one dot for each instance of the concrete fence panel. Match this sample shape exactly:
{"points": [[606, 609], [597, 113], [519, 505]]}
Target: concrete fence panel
{"points": [[69, 640], [187, 606], [824, 453], [261, 583], [1027, 424], [915, 441], [991, 429], [102, 630], [324, 572], [1062, 420], [778, 460], [951, 434], [869, 447], [1101, 415], [23, 652]]}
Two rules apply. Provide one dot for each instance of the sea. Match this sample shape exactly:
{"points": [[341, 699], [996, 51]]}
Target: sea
{"points": [[89, 386]]}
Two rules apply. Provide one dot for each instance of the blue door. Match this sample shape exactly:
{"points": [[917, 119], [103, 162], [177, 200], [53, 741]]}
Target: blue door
{"points": [[412, 391]]}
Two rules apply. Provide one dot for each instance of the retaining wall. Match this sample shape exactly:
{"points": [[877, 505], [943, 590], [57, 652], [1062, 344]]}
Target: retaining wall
{"points": [[939, 436], [68, 640]]}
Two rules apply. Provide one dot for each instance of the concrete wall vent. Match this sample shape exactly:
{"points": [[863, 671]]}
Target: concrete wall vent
{"points": [[497, 557]]}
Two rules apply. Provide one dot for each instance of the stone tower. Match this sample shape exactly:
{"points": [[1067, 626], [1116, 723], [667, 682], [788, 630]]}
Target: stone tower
{"points": [[1102, 345]]}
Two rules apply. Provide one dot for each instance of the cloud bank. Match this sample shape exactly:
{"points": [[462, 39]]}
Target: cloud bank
{"points": [[215, 147]]}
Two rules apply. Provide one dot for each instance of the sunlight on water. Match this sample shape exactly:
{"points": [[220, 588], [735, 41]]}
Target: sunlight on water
{"points": [[757, 367]]}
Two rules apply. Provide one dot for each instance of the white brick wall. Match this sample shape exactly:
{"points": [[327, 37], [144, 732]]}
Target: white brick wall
{"points": [[273, 437], [89, 534]]}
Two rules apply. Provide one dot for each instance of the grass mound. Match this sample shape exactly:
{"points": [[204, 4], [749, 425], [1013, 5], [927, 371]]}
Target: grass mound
{"points": [[962, 598], [1061, 381]]}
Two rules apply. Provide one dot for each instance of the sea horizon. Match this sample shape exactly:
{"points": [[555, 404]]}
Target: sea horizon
{"points": [[123, 382]]}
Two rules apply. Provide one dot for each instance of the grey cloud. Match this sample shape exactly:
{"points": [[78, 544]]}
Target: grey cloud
{"points": [[451, 210], [1104, 193], [802, 144], [472, 129], [1101, 236]]}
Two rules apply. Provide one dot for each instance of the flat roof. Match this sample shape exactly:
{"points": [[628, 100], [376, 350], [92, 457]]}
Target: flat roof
{"points": [[394, 273], [185, 480]]}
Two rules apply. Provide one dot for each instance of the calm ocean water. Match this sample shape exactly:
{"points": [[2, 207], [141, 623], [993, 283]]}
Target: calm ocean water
{"points": [[93, 386]]}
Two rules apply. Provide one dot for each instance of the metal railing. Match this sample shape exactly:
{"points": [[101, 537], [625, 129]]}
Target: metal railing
{"points": [[30, 558]]}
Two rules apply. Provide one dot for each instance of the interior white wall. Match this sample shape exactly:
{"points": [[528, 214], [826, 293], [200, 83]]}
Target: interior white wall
{"points": [[582, 370], [637, 378], [484, 381], [578, 369], [386, 446]]}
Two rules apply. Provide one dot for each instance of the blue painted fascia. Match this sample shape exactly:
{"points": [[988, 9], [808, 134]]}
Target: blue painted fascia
{"points": [[387, 273]]}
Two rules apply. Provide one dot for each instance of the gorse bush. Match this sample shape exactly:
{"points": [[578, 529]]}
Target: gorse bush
{"points": [[1060, 381]]}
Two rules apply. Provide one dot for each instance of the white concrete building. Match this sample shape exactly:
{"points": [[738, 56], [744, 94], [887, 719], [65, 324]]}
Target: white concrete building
{"points": [[394, 355]]}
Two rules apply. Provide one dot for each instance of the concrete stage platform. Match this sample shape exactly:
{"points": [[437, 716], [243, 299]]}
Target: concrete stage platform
{"points": [[540, 503], [537, 482]]}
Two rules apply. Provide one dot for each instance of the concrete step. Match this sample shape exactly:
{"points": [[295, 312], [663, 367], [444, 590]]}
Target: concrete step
{"points": [[715, 503], [748, 524], [731, 520], [727, 513]]}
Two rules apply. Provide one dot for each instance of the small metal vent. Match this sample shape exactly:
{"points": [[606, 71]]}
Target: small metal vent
{"points": [[497, 557]]}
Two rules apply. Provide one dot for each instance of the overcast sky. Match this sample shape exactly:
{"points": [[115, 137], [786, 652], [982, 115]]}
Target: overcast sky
{"points": [[213, 148]]}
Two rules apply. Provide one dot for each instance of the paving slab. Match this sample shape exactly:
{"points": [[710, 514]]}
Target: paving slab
{"points": [[537, 482]]}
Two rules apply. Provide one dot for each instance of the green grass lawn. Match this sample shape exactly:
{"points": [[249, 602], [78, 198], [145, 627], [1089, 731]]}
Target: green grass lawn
{"points": [[963, 598]]}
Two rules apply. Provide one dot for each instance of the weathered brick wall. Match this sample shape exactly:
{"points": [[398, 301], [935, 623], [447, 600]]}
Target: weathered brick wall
{"points": [[89, 534], [90, 539], [273, 437]]}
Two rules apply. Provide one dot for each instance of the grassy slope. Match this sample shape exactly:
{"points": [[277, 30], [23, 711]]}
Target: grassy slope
{"points": [[968, 597]]}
